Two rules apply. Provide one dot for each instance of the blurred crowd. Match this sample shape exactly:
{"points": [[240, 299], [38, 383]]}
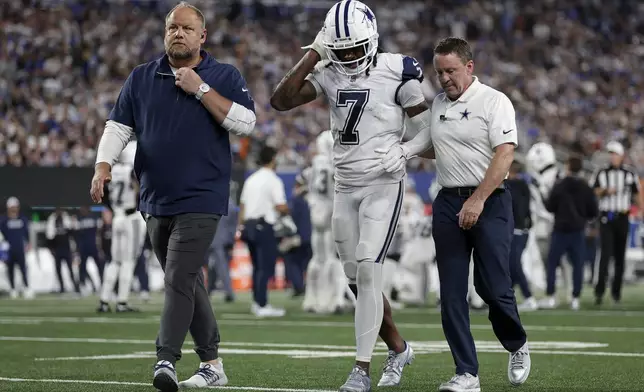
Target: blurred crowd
{"points": [[570, 67]]}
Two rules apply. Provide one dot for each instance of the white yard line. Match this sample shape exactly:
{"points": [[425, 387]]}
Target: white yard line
{"points": [[138, 384], [302, 324], [439, 344], [554, 312], [303, 354]]}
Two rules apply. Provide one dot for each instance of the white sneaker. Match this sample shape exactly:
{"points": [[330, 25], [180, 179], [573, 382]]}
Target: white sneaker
{"points": [[268, 311], [529, 305], [394, 365], [165, 377], [548, 303], [145, 296], [28, 294], [519, 365], [208, 375], [461, 383], [13, 294], [574, 304]]}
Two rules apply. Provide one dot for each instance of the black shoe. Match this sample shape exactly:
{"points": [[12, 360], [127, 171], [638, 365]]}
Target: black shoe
{"points": [[229, 298], [123, 307], [104, 307]]}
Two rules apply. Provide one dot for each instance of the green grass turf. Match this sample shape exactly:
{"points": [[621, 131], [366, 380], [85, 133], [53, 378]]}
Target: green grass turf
{"points": [[257, 353]]}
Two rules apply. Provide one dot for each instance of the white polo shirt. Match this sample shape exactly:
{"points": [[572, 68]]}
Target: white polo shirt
{"points": [[261, 193], [466, 131]]}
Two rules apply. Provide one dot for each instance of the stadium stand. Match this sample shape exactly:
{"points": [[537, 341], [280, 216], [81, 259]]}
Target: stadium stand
{"points": [[569, 67]]}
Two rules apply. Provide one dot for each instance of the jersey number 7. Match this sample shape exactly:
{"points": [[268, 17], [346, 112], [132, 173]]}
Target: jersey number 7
{"points": [[356, 100]]}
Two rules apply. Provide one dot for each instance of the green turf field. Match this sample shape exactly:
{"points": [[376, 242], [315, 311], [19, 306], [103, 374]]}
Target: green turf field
{"points": [[50, 344]]}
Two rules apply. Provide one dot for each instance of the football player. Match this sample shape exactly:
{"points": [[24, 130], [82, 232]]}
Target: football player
{"points": [[128, 232], [325, 279], [541, 164], [373, 97]]}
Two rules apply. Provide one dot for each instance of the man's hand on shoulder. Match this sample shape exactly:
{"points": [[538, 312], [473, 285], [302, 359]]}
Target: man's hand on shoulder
{"points": [[188, 80], [102, 176]]}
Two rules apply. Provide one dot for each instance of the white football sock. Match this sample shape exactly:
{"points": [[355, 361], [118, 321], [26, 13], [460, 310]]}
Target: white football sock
{"points": [[126, 274], [109, 280], [369, 308]]}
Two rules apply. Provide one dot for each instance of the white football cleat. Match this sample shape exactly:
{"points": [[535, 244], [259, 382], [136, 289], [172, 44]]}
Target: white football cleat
{"points": [[548, 303], [208, 375], [461, 383], [519, 365], [394, 365], [268, 311], [528, 305]]}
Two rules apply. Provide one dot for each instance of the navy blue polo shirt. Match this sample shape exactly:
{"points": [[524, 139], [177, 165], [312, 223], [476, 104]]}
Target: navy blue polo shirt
{"points": [[15, 232], [183, 159]]}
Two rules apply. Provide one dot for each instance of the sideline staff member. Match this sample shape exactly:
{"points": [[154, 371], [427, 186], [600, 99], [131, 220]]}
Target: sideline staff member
{"points": [[615, 185], [573, 204], [181, 108], [473, 133], [263, 201]]}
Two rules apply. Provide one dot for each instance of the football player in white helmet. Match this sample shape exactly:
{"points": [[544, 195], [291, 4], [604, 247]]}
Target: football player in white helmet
{"points": [[128, 232], [325, 279], [541, 164], [373, 96]]}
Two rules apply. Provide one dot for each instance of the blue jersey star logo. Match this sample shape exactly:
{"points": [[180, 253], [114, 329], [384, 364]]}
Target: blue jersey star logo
{"points": [[465, 114], [367, 14]]}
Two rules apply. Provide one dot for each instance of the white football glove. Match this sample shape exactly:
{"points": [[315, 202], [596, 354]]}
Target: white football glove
{"points": [[394, 159], [317, 45]]}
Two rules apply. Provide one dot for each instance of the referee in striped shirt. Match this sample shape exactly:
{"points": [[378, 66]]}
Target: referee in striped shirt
{"points": [[615, 187]]}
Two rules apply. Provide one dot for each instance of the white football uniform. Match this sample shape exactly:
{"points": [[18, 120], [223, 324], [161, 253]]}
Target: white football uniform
{"points": [[325, 280], [417, 257], [128, 232], [367, 113]]}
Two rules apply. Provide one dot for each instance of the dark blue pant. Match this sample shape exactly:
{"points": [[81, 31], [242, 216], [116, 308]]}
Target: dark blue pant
{"points": [[296, 262], [570, 243], [591, 255], [490, 239], [519, 242], [262, 245], [60, 254], [16, 259], [82, 268], [141, 272]]}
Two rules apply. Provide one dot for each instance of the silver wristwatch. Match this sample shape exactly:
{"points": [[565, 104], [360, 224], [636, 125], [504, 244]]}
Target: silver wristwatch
{"points": [[203, 88]]}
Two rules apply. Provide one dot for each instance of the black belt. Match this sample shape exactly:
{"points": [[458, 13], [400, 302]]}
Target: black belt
{"points": [[130, 211], [467, 191]]}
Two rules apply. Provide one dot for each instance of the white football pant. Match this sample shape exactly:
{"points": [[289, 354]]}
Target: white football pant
{"points": [[415, 277], [325, 279], [128, 237], [364, 224]]}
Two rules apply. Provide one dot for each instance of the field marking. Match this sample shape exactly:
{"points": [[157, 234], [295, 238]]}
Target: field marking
{"points": [[138, 384], [302, 351], [303, 324], [551, 312], [420, 344], [306, 354]]}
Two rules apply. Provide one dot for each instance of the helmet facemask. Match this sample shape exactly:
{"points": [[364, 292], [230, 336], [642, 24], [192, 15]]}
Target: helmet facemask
{"points": [[355, 66]]}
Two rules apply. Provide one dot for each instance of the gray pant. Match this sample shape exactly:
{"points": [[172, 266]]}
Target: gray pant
{"points": [[218, 261], [180, 243]]}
